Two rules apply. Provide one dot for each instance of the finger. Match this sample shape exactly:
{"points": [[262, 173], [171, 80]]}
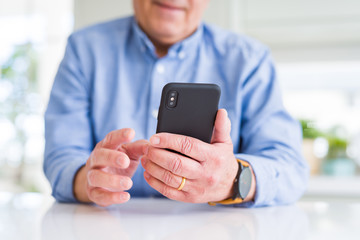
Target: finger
{"points": [[136, 149], [188, 146], [222, 128], [175, 163], [167, 191], [108, 181], [104, 157], [114, 139], [163, 175], [105, 198]]}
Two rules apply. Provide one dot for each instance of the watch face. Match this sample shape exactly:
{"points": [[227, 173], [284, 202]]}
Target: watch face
{"points": [[244, 182]]}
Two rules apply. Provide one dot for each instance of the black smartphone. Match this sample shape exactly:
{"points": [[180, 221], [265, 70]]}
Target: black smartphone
{"points": [[189, 109]]}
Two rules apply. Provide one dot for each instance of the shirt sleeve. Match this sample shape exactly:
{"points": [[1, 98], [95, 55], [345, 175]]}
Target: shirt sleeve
{"points": [[270, 139], [68, 130]]}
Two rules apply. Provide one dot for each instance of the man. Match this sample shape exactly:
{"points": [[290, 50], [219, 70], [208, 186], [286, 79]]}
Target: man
{"points": [[109, 85]]}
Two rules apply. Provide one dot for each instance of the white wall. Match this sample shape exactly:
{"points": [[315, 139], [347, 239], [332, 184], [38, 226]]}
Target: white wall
{"points": [[297, 30]]}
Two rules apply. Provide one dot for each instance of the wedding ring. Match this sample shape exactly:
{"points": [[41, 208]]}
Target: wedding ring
{"points": [[182, 184]]}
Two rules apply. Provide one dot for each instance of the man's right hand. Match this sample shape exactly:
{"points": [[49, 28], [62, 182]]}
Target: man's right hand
{"points": [[108, 171]]}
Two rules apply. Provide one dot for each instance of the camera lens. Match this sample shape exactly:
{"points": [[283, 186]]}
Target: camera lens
{"points": [[172, 99]]}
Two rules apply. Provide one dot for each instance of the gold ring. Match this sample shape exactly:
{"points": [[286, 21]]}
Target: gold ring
{"points": [[182, 184]]}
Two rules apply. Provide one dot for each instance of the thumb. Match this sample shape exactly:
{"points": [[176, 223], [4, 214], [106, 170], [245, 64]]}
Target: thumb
{"points": [[222, 128]]}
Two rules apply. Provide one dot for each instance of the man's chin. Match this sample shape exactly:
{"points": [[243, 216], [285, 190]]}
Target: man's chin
{"points": [[168, 34]]}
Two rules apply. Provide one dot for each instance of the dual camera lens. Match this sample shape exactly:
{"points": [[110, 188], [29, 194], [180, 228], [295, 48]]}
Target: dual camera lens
{"points": [[172, 99]]}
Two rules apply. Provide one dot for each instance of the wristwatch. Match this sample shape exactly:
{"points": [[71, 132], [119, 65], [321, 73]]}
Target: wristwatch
{"points": [[242, 184]]}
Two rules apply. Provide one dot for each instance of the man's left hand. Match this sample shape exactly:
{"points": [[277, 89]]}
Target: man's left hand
{"points": [[209, 169]]}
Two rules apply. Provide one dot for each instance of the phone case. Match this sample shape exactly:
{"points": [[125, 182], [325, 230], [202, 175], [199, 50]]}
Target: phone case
{"points": [[193, 112]]}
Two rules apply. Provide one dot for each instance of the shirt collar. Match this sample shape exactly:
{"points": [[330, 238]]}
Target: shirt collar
{"points": [[180, 49]]}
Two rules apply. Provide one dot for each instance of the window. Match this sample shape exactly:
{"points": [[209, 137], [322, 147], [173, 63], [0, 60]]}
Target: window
{"points": [[33, 37]]}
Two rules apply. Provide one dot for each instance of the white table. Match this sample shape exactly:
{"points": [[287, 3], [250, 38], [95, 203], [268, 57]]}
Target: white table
{"points": [[29, 216]]}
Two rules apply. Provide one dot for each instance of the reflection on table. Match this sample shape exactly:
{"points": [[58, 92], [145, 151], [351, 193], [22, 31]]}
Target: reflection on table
{"points": [[165, 219], [35, 216]]}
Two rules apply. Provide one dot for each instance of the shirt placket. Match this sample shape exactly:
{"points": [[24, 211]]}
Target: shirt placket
{"points": [[158, 81]]}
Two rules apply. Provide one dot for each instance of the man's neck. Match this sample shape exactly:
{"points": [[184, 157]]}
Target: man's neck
{"points": [[161, 49]]}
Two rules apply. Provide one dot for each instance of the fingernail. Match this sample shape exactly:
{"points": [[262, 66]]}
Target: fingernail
{"points": [[154, 140], [125, 196], [226, 113], [119, 162], [126, 132]]}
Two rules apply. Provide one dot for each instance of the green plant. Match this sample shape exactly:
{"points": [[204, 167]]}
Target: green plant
{"points": [[337, 147], [309, 130]]}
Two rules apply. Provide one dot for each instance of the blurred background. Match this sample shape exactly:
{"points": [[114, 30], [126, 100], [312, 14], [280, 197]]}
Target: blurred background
{"points": [[316, 45]]}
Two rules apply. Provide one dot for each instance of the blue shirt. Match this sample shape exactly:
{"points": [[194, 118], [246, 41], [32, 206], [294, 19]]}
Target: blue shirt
{"points": [[111, 78]]}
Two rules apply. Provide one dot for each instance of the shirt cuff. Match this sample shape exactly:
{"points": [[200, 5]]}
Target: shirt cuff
{"points": [[64, 191], [265, 176]]}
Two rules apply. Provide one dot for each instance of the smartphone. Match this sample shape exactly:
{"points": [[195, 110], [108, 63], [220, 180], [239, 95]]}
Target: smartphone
{"points": [[189, 109]]}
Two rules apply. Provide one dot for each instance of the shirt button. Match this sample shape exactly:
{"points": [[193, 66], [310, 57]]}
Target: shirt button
{"points": [[181, 55], [160, 68], [154, 113]]}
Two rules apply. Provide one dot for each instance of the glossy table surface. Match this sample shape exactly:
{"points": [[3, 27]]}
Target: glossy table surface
{"points": [[35, 216]]}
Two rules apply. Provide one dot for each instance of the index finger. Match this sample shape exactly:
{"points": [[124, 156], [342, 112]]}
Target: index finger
{"points": [[114, 139], [188, 146]]}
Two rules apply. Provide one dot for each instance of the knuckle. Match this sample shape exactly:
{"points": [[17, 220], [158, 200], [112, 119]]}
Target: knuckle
{"points": [[114, 198], [109, 137], [113, 181], [93, 158], [91, 177], [166, 191], [211, 180], [176, 165], [97, 196], [106, 155], [150, 152], [218, 161], [187, 145], [168, 177], [99, 144]]}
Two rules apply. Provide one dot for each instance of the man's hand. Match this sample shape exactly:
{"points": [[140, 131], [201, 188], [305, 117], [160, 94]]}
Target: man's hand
{"points": [[209, 169], [108, 171]]}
